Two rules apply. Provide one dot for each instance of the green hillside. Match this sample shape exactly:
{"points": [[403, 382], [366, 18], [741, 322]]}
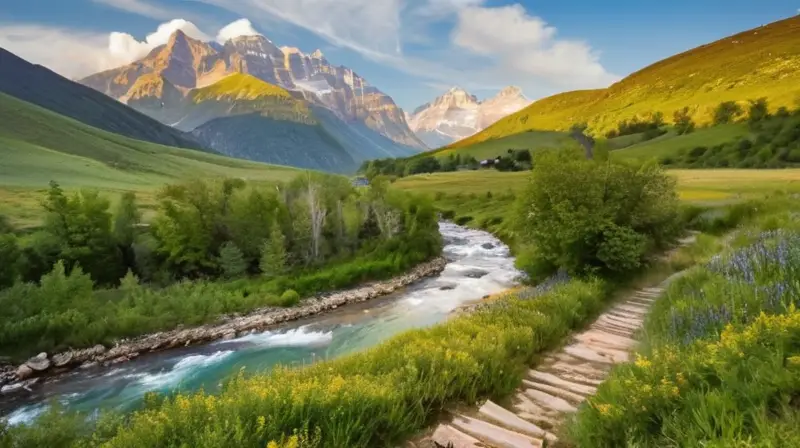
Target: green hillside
{"points": [[42, 87], [37, 146], [671, 145], [495, 147], [762, 62]]}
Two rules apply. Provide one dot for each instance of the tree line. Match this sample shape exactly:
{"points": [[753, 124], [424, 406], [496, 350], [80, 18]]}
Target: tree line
{"points": [[90, 275]]}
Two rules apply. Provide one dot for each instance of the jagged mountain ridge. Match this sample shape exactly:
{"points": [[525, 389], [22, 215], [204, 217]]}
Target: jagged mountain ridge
{"points": [[188, 63], [458, 114]]}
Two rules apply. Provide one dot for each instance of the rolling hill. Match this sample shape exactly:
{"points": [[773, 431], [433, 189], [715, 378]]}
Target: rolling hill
{"points": [[38, 85], [762, 62], [38, 145]]}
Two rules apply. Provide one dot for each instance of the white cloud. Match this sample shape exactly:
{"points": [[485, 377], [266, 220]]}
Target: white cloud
{"points": [[523, 44], [72, 53], [125, 47], [241, 27]]}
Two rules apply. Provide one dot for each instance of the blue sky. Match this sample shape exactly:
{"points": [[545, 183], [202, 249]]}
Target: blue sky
{"points": [[412, 49]]}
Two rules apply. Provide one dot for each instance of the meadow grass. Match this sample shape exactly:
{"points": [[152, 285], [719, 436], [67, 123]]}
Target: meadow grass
{"points": [[671, 145], [720, 361], [499, 147], [711, 185]]}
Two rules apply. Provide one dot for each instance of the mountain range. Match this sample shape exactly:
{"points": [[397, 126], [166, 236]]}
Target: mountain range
{"points": [[457, 115], [249, 98]]}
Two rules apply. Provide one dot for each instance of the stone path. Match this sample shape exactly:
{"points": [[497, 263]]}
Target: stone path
{"points": [[559, 384]]}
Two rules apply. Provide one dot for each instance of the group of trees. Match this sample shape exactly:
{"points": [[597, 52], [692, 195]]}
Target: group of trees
{"points": [[213, 247], [417, 165], [651, 126], [774, 141]]}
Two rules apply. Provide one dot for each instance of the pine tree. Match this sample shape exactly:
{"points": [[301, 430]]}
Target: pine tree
{"points": [[273, 253], [231, 260]]}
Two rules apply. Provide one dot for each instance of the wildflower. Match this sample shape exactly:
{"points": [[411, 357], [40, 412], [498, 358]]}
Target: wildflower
{"points": [[642, 362], [605, 409]]}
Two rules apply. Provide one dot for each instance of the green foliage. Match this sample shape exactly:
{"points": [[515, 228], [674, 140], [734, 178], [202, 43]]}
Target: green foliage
{"points": [[774, 142], [683, 122], [196, 234], [727, 112], [758, 111], [638, 125], [290, 297], [273, 254], [126, 217], [586, 216], [231, 260], [9, 260]]}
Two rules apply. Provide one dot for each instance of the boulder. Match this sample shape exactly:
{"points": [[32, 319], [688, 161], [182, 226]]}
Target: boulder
{"points": [[39, 363], [62, 359], [488, 246], [89, 364], [228, 335], [24, 372]]}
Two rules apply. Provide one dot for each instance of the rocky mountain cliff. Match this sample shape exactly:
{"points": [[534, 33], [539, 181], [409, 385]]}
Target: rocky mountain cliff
{"points": [[167, 74], [458, 114]]}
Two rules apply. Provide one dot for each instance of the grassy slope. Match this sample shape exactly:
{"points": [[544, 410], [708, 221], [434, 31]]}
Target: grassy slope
{"points": [[37, 146], [672, 145], [496, 147], [763, 62], [40, 86]]}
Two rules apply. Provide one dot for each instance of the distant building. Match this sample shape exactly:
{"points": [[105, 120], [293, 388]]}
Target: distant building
{"points": [[360, 182]]}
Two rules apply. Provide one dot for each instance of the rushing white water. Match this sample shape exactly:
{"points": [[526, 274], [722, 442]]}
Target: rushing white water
{"points": [[478, 264]]}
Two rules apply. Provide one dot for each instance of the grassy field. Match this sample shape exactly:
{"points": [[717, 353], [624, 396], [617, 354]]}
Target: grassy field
{"points": [[493, 148], [762, 62], [37, 146], [693, 185]]}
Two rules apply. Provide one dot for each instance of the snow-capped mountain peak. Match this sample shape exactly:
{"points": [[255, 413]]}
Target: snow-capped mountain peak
{"points": [[457, 114]]}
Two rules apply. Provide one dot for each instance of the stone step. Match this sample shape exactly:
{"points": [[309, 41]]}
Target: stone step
{"points": [[596, 354], [548, 401], [607, 339], [623, 315], [446, 435], [581, 366], [553, 380], [532, 412], [509, 420], [605, 319], [634, 324], [496, 436], [555, 391], [611, 329], [576, 377], [632, 308]]}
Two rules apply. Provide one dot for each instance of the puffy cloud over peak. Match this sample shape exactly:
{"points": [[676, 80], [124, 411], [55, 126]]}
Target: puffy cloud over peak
{"points": [[238, 28], [125, 47]]}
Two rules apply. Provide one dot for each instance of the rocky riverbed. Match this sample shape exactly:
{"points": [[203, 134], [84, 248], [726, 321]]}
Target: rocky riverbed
{"points": [[20, 378]]}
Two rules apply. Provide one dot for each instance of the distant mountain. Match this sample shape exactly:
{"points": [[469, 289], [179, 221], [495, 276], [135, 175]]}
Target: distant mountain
{"points": [[38, 85], [170, 72], [761, 62], [458, 114]]}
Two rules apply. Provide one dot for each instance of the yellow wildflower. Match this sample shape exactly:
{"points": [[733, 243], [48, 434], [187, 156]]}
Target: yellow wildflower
{"points": [[642, 362], [605, 409]]}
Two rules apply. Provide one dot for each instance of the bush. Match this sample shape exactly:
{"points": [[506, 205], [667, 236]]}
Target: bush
{"points": [[290, 297], [585, 216]]}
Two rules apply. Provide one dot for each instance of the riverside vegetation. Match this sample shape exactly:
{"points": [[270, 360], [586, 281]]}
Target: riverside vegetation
{"points": [[219, 247], [384, 394]]}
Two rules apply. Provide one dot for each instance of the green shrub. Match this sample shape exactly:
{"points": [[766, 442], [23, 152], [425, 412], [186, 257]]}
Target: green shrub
{"points": [[586, 216], [290, 297]]}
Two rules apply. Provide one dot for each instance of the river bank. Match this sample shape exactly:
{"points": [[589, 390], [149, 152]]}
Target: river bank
{"points": [[14, 379]]}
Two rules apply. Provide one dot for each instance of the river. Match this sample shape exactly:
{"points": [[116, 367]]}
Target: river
{"points": [[478, 264]]}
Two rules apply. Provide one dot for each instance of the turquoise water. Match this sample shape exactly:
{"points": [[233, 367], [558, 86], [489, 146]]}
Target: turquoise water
{"points": [[478, 264]]}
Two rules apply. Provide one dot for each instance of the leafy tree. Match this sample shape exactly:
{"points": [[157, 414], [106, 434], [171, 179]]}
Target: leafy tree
{"points": [[683, 121], [127, 218], [5, 225], [588, 216], [758, 111], [727, 112], [81, 226], [231, 260], [9, 259], [273, 254]]}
